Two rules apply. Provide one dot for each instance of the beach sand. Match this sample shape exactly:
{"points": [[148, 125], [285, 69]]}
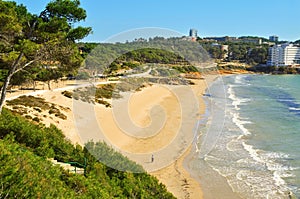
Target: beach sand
{"points": [[145, 123]]}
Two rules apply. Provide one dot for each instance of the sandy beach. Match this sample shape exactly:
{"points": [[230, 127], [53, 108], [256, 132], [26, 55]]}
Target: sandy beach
{"points": [[153, 121]]}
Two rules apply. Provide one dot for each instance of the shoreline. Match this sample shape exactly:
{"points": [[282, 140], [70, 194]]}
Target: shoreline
{"points": [[188, 176], [221, 180], [210, 181], [178, 179]]}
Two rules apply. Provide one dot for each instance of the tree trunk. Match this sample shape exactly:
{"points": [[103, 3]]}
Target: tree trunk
{"points": [[49, 85], [7, 81], [34, 85], [3, 92]]}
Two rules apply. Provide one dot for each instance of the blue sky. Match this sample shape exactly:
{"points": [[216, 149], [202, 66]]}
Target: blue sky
{"points": [[209, 17]]}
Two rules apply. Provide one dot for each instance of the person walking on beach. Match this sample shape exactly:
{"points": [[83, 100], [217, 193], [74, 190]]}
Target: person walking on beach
{"points": [[290, 194], [152, 158]]}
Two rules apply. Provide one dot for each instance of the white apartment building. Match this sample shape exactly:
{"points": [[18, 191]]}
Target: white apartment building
{"points": [[284, 55]]}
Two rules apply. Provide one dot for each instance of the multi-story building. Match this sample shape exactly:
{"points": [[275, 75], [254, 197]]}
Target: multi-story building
{"points": [[220, 39], [193, 33], [257, 41], [274, 38], [284, 55]]}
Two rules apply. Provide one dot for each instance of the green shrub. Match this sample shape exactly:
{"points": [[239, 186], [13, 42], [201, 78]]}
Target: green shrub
{"points": [[37, 109], [67, 94], [36, 119], [28, 117], [105, 103], [26, 173]]}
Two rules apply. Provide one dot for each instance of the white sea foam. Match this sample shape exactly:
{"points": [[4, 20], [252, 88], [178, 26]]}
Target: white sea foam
{"points": [[279, 171], [268, 159], [253, 152], [239, 80], [239, 123], [250, 171], [276, 155], [294, 109], [236, 102]]}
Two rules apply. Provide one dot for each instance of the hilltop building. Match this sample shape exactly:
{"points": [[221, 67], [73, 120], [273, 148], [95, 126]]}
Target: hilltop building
{"points": [[284, 55], [221, 39], [193, 33], [274, 38], [257, 41]]}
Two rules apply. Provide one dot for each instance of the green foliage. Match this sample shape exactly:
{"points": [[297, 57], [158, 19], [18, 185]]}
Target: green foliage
{"points": [[163, 72], [105, 91], [108, 58], [67, 94], [47, 74], [231, 67], [3, 74], [238, 51], [78, 33], [105, 103], [30, 101], [297, 41], [215, 51], [135, 58], [26, 173], [132, 84], [275, 70], [82, 75], [105, 154], [65, 9], [185, 69], [86, 48], [44, 44], [94, 94], [42, 140], [151, 55], [258, 55], [250, 53], [37, 104]]}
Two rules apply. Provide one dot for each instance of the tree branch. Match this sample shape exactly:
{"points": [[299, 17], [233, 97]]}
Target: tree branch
{"points": [[25, 65]]}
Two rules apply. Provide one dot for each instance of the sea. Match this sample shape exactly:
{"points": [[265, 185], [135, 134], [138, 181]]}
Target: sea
{"points": [[250, 140]]}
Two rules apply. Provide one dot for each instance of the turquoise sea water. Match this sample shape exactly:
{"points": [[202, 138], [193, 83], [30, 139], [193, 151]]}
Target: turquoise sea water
{"points": [[252, 137]]}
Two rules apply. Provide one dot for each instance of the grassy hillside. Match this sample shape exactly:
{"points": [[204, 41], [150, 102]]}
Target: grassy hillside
{"points": [[108, 58], [26, 172]]}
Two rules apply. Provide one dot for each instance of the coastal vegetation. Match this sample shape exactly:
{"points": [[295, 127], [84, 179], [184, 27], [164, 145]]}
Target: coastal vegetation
{"points": [[26, 171], [94, 94], [42, 47], [39, 46], [107, 58], [102, 94], [25, 105], [249, 53], [242, 56]]}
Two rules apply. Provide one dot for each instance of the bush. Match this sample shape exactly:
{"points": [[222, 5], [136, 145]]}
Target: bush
{"points": [[83, 76], [67, 94], [36, 119], [101, 151], [38, 104], [26, 173]]}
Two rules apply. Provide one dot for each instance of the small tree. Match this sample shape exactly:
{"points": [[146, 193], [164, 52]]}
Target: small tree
{"points": [[29, 40]]}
